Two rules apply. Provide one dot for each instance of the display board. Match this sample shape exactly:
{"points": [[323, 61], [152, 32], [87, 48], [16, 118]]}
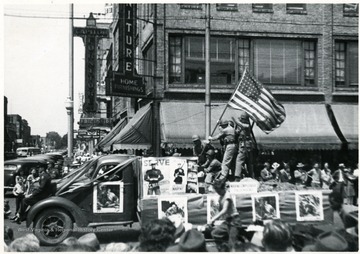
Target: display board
{"points": [[197, 207], [177, 182]]}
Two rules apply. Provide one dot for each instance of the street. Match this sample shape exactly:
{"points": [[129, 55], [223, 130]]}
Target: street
{"points": [[104, 234]]}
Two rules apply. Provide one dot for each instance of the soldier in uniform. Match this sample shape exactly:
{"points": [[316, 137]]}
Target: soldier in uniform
{"points": [[39, 193], [153, 176], [178, 174], [211, 168], [227, 135], [200, 149], [245, 147]]}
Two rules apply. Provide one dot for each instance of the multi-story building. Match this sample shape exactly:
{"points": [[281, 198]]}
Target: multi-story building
{"points": [[306, 54]]}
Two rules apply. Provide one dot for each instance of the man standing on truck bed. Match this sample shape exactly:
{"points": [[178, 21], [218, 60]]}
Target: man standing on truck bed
{"points": [[153, 176]]}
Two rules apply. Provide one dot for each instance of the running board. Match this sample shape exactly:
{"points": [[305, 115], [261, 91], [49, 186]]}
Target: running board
{"points": [[99, 224]]}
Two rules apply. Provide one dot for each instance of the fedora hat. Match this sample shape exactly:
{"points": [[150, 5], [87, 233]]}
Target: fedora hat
{"points": [[300, 165], [190, 241], [328, 241], [90, 240], [275, 165]]}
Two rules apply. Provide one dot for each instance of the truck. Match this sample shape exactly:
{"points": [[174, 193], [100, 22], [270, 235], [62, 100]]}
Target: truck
{"points": [[119, 189]]}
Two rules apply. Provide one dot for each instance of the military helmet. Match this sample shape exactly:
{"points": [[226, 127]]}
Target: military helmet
{"points": [[224, 122], [210, 152], [195, 137]]}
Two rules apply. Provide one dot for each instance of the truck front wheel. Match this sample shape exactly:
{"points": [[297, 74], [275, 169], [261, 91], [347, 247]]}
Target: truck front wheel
{"points": [[53, 226]]}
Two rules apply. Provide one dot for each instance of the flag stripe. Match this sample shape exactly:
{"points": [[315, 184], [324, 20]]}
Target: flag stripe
{"points": [[263, 110], [252, 97], [256, 112]]}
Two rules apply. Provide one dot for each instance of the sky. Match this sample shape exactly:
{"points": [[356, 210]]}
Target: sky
{"points": [[36, 62]]}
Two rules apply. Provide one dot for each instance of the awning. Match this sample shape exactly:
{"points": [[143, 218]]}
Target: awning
{"points": [[347, 118], [180, 120], [114, 131], [306, 126], [137, 133]]}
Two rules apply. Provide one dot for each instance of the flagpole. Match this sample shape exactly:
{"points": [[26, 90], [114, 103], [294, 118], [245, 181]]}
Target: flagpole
{"points": [[222, 114]]}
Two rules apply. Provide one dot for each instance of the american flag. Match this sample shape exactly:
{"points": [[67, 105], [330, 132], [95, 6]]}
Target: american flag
{"points": [[252, 97]]}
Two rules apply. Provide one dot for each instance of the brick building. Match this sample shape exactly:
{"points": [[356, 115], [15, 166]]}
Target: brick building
{"points": [[306, 54]]}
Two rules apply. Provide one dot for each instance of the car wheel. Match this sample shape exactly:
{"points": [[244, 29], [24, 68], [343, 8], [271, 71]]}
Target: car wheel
{"points": [[53, 226]]}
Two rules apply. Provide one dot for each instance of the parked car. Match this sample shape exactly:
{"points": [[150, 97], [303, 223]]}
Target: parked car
{"points": [[27, 151], [12, 167], [79, 199]]}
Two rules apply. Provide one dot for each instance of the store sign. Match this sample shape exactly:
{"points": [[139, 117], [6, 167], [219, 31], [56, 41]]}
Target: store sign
{"points": [[243, 187], [91, 37], [94, 122], [126, 82]]}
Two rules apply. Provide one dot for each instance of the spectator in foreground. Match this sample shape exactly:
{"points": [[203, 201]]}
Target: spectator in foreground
{"points": [[117, 247], [27, 243], [156, 235], [277, 236], [8, 237], [190, 241], [328, 241]]}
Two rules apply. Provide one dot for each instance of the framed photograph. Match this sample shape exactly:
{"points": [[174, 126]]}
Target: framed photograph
{"points": [[108, 197], [213, 208], [173, 206], [265, 206], [309, 206]]}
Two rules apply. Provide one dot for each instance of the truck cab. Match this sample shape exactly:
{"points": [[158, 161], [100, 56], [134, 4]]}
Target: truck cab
{"points": [[93, 195]]}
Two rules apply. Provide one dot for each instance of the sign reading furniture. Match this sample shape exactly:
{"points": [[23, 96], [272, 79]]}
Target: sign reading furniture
{"points": [[126, 82]]}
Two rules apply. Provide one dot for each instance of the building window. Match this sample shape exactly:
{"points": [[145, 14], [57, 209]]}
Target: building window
{"points": [[268, 8], [351, 10], [149, 60], [226, 7], [280, 62], [244, 55], [296, 8], [191, 6], [175, 57], [222, 67], [309, 63], [346, 64]]}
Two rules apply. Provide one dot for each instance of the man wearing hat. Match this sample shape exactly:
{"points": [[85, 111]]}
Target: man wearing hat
{"points": [[245, 142], [300, 174], [328, 241], [227, 135], [275, 171], [153, 176], [200, 149], [265, 172]]}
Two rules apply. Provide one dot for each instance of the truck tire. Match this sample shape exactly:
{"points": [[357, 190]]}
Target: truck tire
{"points": [[53, 226]]}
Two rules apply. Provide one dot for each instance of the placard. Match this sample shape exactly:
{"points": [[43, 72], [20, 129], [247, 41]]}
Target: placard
{"points": [[108, 197], [173, 206], [265, 206], [309, 206], [244, 187]]}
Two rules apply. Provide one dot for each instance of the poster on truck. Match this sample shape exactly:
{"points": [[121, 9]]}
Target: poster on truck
{"points": [[166, 176], [173, 207], [108, 197]]}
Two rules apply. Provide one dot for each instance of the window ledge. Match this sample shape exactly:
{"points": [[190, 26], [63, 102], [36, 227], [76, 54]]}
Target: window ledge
{"points": [[292, 92], [345, 93], [301, 12]]}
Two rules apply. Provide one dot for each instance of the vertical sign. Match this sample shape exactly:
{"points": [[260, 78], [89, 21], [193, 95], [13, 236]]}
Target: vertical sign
{"points": [[126, 82], [91, 36]]}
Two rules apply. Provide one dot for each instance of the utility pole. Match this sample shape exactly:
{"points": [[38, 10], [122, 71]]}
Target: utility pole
{"points": [[69, 103], [207, 72]]}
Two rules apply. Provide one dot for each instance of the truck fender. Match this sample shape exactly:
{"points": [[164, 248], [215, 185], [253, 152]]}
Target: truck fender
{"points": [[52, 202]]}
